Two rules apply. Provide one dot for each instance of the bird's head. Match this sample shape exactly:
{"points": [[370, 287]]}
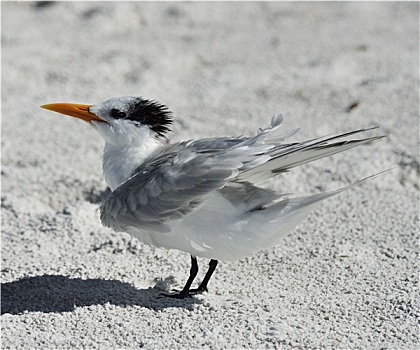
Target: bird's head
{"points": [[121, 117]]}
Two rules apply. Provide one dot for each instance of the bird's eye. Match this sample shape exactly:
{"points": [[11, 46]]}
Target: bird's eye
{"points": [[117, 114]]}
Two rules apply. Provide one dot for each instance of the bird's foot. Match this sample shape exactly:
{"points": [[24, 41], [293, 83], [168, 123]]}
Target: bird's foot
{"points": [[180, 295], [185, 294], [199, 290]]}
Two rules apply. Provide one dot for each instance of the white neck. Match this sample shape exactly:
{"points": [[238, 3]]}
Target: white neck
{"points": [[120, 159]]}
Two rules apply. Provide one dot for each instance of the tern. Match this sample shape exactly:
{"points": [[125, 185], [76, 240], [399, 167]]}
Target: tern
{"points": [[202, 197]]}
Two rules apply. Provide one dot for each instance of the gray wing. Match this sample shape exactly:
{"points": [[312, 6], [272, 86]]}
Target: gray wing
{"points": [[283, 157], [169, 186]]}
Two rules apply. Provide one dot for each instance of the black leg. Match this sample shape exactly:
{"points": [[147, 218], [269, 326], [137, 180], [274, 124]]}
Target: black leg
{"points": [[185, 292], [203, 286]]}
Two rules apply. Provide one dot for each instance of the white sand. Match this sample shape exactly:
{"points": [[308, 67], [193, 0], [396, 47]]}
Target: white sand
{"points": [[345, 278]]}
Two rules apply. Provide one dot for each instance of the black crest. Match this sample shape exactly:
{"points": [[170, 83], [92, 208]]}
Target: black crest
{"points": [[147, 112]]}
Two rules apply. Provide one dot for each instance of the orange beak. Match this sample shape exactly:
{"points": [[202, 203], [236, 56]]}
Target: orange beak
{"points": [[74, 110]]}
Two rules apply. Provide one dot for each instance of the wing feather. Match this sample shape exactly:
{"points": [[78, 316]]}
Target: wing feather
{"points": [[285, 157], [167, 188]]}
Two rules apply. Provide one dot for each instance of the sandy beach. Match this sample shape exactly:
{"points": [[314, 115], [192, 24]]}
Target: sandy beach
{"points": [[346, 278]]}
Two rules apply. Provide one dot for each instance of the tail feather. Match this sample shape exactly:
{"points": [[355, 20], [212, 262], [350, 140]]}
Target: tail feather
{"points": [[280, 218], [298, 203], [284, 158]]}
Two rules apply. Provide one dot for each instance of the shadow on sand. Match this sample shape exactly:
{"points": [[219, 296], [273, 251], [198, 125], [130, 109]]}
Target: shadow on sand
{"points": [[56, 293]]}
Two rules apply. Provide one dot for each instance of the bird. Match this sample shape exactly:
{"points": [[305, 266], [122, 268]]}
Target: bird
{"points": [[204, 197]]}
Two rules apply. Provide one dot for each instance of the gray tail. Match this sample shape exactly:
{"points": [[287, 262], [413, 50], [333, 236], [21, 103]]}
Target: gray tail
{"points": [[284, 157]]}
